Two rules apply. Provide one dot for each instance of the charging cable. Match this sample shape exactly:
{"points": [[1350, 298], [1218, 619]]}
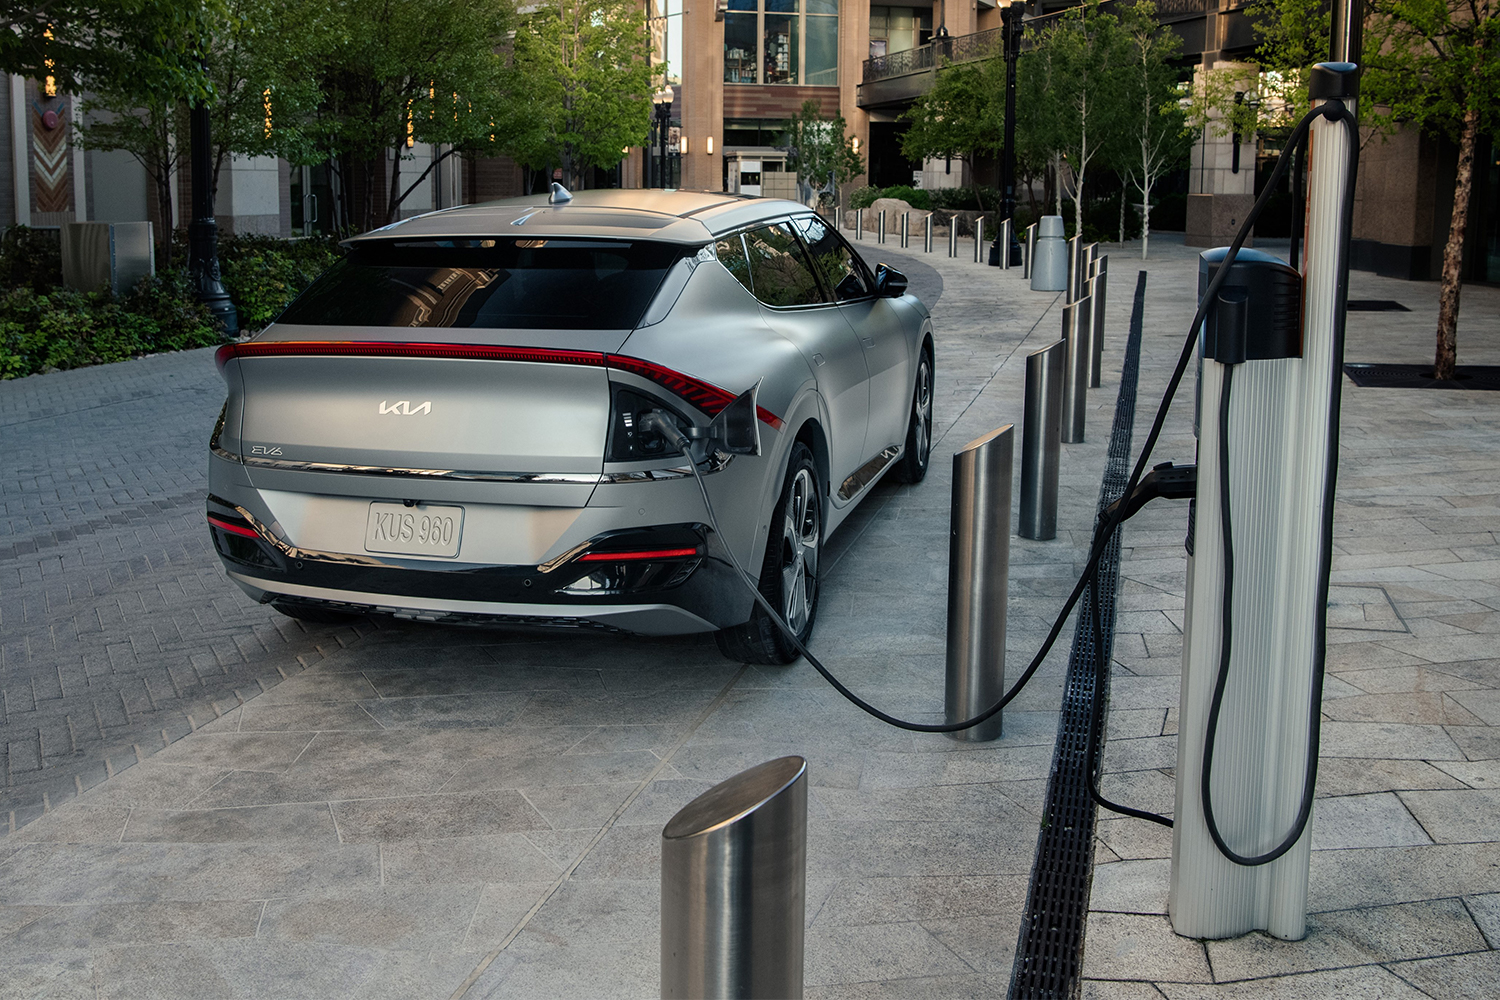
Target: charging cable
{"points": [[1333, 110]]}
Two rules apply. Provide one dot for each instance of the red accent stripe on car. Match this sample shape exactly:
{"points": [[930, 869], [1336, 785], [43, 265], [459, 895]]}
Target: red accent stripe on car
{"points": [[638, 555], [704, 395], [232, 528]]}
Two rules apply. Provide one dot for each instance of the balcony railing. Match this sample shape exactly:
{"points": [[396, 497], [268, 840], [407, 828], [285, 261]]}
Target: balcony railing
{"points": [[955, 48]]}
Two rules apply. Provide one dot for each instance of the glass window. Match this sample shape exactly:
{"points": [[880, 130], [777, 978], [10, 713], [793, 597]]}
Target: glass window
{"points": [[731, 253], [741, 48], [779, 268], [832, 258], [822, 52], [824, 6], [781, 48], [490, 284]]}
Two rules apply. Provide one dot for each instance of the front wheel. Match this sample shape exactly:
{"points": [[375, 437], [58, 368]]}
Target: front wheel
{"points": [[789, 572], [913, 467]]}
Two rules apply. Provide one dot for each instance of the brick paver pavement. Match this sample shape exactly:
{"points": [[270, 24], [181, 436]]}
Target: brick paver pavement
{"points": [[118, 633]]}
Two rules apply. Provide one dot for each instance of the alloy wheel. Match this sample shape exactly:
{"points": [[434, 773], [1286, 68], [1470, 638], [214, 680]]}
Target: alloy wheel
{"points": [[799, 551]]}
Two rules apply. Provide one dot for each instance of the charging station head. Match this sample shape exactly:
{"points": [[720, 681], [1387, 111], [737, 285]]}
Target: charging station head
{"points": [[736, 429], [1258, 312]]}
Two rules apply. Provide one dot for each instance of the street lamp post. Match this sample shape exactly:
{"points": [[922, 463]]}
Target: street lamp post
{"points": [[663, 101], [1010, 33], [203, 231]]}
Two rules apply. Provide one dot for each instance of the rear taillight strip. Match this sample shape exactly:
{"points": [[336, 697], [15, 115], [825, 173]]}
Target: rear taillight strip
{"points": [[243, 530], [704, 395], [639, 555]]}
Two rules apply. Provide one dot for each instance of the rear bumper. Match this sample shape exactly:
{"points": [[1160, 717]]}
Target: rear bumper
{"points": [[641, 619]]}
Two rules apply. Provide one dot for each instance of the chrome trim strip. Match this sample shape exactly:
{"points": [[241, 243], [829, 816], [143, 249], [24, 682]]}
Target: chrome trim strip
{"points": [[868, 473], [716, 464]]}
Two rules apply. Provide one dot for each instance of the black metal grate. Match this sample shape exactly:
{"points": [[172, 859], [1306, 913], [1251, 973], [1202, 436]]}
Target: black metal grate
{"points": [[1375, 306], [1049, 953], [1378, 376]]}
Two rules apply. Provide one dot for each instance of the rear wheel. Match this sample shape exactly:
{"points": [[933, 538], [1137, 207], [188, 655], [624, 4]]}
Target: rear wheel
{"points": [[789, 572], [914, 462]]}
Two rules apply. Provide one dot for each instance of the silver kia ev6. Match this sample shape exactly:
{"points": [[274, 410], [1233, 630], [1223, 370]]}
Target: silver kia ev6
{"points": [[446, 425]]}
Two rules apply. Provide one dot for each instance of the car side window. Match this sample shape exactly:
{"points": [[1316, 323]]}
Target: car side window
{"points": [[731, 253], [779, 268], [832, 258]]}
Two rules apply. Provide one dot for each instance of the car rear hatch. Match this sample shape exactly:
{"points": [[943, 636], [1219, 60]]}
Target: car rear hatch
{"points": [[473, 360]]}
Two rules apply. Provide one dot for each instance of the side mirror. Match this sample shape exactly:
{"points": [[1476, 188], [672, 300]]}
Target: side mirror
{"points": [[889, 282]]}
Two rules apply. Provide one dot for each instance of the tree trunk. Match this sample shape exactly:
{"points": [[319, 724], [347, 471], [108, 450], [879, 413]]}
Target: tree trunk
{"points": [[163, 179], [1453, 253], [1122, 213], [1145, 215], [392, 201]]}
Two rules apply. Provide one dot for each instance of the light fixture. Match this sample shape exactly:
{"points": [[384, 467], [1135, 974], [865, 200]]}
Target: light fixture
{"points": [[265, 96], [684, 145], [710, 149], [856, 144]]}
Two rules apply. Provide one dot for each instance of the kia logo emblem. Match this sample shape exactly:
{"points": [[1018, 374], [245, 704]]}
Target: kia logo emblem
{"points": [[404, 408]]}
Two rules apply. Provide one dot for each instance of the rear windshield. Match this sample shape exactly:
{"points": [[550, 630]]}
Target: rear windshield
{"points": [[537, 284]]}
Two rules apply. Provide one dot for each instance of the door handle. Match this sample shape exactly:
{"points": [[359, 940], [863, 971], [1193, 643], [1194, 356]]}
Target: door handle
{"points": [[867, 341]]}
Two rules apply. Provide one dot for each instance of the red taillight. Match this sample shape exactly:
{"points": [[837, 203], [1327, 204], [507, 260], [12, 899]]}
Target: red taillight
{"points": [[704, 395], [243, 530], [639, 555]]}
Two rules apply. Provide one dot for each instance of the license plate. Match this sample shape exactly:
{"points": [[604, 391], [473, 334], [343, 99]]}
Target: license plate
{"points": [[423, 530]]}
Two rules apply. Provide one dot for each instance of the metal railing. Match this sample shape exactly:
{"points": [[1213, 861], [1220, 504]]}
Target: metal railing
{"points": [[954, 48]]}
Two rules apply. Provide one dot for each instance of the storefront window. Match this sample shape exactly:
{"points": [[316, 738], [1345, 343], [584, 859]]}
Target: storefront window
{"points": [[781, 48], [822, 52], [775, 42], [741, 42]]}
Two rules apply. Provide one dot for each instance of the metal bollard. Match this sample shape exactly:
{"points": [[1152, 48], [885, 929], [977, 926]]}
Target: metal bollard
{"points": [[905, 230], [734, 887], [1075, 370], [953, 237], [859, 223], [1007, 235], [1041, 437], [979, 240], [1075, 247], [880, 233], [927, 234], [1049, 264], [978, 581], [1086, 254], [1100, 281], [1030, 251]]}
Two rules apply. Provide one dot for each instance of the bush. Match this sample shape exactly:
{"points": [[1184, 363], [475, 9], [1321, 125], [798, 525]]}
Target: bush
{"points": [[1101, 220], [168, 301], [962, 199], [30, 258], [915, 197], [863, 198], [263, 274]]}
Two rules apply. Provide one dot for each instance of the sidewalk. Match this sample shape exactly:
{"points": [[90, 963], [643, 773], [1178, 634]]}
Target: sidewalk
{"points": [[432, 812]]}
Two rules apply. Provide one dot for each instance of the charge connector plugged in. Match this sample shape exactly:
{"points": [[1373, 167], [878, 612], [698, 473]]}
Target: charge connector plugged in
{"points": [[1168, 481]]}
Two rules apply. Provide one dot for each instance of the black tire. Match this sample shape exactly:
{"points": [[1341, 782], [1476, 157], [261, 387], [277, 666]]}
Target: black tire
{"points": [[315, 615], [793, 551], [918, 454]]}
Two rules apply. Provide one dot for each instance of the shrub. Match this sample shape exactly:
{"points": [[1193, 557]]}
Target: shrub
{"points": [[30, 258], [915, 197], [863, 198], [263, 274], [168, 300]]}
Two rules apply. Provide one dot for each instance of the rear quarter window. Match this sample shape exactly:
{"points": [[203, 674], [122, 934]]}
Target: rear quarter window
{"points": [[539, 284]]}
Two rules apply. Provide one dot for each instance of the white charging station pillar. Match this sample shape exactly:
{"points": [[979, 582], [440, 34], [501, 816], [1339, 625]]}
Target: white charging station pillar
{"points": [[1282, 405]]}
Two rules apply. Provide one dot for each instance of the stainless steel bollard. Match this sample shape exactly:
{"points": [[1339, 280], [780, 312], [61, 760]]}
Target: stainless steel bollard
{"points": [[1030, 251], [979, 240], [1075, 248], [859, 223], [953, 237], [1086, 255], [927, 234], [734, 887], [1100, 280], [880, 233], [905, 230], [1041, 437], [1076, 322], [978, 581], [1007, 235]]}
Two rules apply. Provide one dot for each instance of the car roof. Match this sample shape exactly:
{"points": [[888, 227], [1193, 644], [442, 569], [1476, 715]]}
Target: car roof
{"points": [[670, 216]]}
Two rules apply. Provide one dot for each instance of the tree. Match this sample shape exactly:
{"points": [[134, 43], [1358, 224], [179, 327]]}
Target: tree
{"points": [[1432, 64], [1436, 64], [1074, 73], [390, 74], [821, 149], [1153, 126], [582, 86], [957, 117]]}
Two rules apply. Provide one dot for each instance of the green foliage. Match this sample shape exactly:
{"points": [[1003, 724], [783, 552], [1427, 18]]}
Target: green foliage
{"points": [[1153, 137], [964, 199], [863, 198], [960, 116], [1435, 64], [821, 146], [579, 87], [30, 258], [915, 197], [61, 328]]}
